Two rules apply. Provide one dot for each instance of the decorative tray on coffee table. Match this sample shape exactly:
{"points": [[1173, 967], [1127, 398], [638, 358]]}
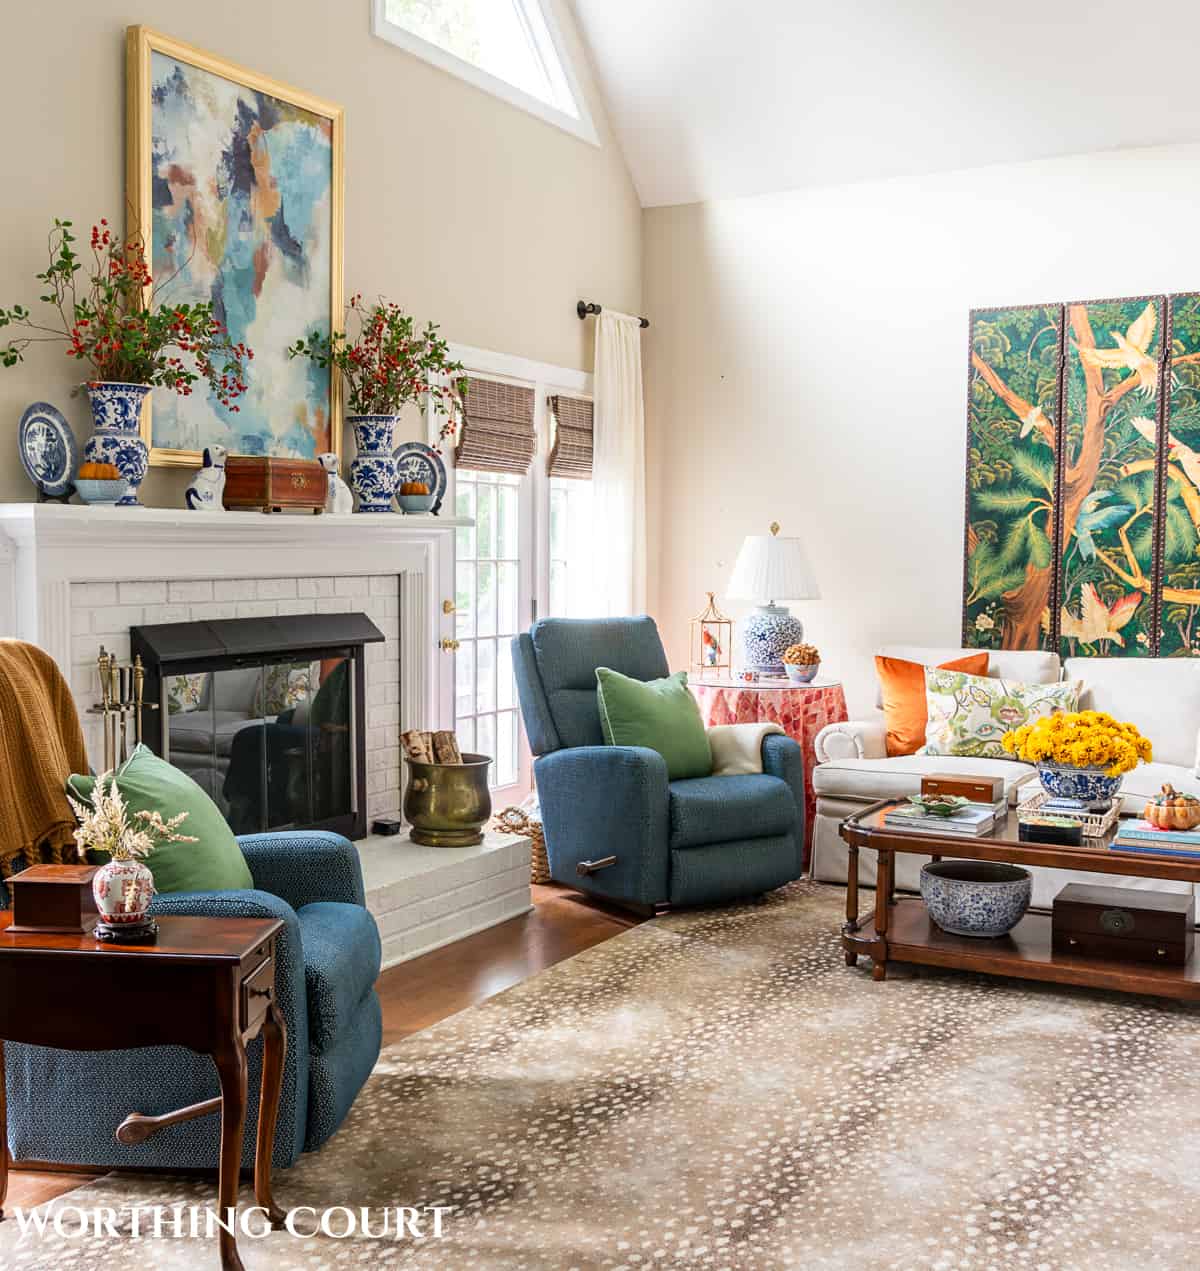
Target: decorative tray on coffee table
{"points": [[1095, 824]]}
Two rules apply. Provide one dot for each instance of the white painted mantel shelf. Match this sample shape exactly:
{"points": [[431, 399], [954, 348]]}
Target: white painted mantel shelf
{"points": [[72, 577]]}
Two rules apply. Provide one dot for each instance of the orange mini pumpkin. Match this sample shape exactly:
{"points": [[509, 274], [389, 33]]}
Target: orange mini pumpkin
{"points": [[1173, 810], [414, 487], [98, 472]]}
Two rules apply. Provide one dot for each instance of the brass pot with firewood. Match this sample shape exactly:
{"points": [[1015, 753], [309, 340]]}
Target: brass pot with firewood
{"points": [[447, 802]]}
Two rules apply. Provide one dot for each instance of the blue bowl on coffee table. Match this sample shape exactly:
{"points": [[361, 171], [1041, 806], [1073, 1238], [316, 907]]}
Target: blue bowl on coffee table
{"points": [[976, 898]]}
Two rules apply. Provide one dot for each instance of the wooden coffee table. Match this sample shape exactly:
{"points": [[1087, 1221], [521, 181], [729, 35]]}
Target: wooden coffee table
{"points": [[902, 931]]}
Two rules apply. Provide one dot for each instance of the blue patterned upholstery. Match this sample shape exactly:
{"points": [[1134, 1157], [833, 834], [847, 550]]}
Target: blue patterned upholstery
{"points": [[65, 1106], [684, 842], [720, 809]]}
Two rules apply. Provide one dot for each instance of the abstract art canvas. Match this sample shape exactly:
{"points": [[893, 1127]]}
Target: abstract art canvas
{"points": [[236, 183], [1012, 440], [1109, 491]]}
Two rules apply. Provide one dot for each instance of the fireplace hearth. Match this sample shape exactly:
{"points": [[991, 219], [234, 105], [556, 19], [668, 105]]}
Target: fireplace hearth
{"points": [[267, 714]]}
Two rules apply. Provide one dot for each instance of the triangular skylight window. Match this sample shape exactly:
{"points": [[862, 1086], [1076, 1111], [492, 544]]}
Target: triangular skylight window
{"points": [[509, 47]]}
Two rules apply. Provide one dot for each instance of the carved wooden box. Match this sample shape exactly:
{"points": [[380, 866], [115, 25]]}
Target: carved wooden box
{"points": [[273, 484], [53, 898]]}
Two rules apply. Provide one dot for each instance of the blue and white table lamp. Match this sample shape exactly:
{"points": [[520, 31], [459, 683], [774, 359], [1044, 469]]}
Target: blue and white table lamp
{"points": [[770, 568]]}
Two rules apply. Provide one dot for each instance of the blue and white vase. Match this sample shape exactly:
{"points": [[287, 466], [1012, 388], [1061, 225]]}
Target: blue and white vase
{"points": [[116, 433], [1091, 787], [373, 472], [767, 634]]}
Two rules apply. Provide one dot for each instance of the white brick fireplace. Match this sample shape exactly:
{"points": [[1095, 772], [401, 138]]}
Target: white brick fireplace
{"points": [[75, 577]]}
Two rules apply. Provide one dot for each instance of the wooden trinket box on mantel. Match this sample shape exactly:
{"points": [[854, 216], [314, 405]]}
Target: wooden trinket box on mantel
{"points": [[53, 898], [271, 484]]}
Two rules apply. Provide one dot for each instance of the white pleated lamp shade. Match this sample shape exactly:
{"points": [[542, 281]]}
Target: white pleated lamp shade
{"points": [[770, 568]]}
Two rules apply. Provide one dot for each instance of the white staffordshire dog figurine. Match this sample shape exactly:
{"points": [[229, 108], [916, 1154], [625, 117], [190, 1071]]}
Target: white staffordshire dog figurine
{"points": [[208, 485], [339, 498]]}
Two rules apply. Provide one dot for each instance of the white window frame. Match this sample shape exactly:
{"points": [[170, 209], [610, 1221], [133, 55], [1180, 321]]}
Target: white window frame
{"points": [[581, 127], [546, 380]]}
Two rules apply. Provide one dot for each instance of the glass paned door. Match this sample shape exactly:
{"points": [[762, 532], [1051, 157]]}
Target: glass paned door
{"points": [[493, 590]]}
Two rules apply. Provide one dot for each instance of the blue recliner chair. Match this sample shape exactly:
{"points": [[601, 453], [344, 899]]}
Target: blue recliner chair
{"points": [[65, 1106], [700, 841]]}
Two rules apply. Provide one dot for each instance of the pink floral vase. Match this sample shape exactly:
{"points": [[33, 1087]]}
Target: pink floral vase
{"points": [[123, 891]]}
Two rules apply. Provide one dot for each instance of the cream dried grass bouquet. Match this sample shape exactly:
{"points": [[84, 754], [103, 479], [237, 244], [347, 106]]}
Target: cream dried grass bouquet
{"points": [[106, 826]]}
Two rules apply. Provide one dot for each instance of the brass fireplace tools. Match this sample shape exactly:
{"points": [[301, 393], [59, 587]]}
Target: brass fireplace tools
{"points": [[121, 687]]}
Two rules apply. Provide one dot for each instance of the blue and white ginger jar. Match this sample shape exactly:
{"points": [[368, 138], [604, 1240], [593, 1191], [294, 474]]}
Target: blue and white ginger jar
{"points": [[373, 472], [767, 634], [116, 433]]}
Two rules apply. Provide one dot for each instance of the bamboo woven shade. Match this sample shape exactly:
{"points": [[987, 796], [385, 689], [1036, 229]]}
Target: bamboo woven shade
{"points": [[571, 454], [497, 431]]}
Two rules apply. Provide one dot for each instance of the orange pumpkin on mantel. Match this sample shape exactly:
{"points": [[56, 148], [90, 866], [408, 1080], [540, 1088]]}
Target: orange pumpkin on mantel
{"points": [[1172, 810]]}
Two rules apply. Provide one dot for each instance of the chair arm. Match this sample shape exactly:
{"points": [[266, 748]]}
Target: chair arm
{"points": [[600, 801], [784, 758], [290, 993], [304, 866], [851, 739]]}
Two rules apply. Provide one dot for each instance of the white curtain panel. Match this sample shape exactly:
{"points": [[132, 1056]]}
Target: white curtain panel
{"points": [[618, 468]]}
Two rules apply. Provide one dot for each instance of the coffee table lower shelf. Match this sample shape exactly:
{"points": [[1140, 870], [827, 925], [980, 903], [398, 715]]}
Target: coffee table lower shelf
{"points": [[911, 936]]}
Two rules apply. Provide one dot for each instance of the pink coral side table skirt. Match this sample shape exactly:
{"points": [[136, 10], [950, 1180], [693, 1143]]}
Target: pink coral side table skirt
{"points": [[801, 710]]}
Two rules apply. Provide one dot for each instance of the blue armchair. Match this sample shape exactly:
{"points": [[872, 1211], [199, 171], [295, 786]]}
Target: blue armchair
{"points": [[65, 1106], [700, 841]]}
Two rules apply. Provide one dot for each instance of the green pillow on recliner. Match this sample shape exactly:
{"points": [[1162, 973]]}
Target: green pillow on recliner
{"points": [[150, 784], [659, 714]]}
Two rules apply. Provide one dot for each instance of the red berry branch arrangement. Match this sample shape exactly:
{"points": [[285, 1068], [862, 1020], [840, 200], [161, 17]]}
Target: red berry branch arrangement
{"points": [[386, 361], [110, 317]]}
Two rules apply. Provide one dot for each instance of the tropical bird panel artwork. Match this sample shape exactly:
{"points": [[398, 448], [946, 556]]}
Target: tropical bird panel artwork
{"points": [[1082, 532]]}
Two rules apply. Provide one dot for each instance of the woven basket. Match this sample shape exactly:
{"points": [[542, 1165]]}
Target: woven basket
{"points": [[514, 821]]}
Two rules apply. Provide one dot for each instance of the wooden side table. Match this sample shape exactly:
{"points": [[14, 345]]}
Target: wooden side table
{"points": [[801, 710], [208, 984]]}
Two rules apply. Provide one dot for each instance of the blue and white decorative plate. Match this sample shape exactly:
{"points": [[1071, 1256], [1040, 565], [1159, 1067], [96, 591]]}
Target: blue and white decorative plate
{"points": [[415, 461], [47, 448]]}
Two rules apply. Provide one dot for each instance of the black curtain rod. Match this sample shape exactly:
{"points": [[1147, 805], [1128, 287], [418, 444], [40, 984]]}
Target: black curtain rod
{"points": [[586, 307]]}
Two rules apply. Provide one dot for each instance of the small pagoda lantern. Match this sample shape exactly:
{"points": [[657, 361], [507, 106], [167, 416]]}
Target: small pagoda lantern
{"points": [[712, 643]]}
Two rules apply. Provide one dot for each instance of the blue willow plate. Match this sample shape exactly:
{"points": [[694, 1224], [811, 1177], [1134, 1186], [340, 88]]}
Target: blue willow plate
{"points": [[415, 461], [47, 448]]}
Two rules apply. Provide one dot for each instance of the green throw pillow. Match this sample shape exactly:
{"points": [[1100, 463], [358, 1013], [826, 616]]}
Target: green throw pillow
{"points": [[150, 784], [660, 714]]}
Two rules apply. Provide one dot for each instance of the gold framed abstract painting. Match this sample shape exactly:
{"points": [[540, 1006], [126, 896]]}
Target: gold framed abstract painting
{"points": [[235, 181], [1083, 478]]}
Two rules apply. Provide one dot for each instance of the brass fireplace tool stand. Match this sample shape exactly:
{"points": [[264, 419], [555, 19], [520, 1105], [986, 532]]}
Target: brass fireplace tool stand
{"points": [[121, 688]]}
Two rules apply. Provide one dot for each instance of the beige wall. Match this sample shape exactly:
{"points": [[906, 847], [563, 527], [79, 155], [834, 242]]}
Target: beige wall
{"points": [[509, 223], [807, 363]]}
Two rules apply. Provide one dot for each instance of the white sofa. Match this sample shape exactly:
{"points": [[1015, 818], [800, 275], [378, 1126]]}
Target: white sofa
{"points": [[1160, 695]]}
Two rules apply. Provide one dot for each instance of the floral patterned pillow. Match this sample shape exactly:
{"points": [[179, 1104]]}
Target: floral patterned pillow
{"points": [[185, 693], [969, 714]]}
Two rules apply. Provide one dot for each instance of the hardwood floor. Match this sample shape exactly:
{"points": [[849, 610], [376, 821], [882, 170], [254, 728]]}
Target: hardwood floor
{"points": [[418, 993]]}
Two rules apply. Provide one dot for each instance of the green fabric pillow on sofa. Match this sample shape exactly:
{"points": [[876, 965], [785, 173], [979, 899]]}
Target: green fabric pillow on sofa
{"points": [[150, 784], [659, 714]]}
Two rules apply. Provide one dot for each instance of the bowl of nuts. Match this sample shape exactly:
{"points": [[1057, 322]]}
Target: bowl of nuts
{"points": [[802, 662]]}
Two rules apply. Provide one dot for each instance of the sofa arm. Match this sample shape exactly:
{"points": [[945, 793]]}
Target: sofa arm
{"points": [[851, 739], [599, 801], [304, 866], [782, 757]]}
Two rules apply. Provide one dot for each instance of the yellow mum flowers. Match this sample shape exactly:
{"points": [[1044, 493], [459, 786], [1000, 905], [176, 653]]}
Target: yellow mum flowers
{"points": [[1080, 739]]}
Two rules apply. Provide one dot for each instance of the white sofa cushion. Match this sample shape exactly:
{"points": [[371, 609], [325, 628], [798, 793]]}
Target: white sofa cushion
{"points": [[1025, 666], [871, 779], [1160, 695]]}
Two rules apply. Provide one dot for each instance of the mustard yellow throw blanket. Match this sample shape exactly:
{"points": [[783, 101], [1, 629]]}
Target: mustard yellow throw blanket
{"points": [[41, 744]]}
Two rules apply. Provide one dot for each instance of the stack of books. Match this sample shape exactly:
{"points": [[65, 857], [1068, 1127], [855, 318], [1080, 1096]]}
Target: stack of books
{"points": [[973, 820], [1141, 836]]}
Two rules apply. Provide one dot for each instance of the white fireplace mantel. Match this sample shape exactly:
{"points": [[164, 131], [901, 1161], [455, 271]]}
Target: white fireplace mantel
{"points": [[47, 548]]}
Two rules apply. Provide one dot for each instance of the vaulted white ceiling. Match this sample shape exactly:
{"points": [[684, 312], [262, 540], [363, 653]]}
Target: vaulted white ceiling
{"points": [[716, 98]]}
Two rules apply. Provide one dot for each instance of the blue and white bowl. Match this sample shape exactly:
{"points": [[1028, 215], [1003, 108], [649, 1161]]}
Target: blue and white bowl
{"points": [[802, 673], [1092, 787], [976, 898]]}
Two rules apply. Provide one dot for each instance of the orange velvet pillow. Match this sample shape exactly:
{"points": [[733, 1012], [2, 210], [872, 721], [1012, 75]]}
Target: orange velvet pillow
{"points": [[902, 687]]}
